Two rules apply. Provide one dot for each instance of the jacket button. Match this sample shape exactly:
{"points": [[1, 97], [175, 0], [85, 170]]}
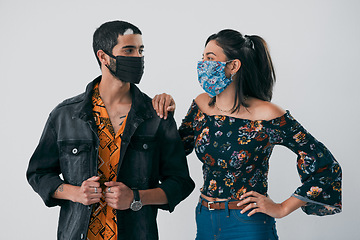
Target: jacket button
{"points": [[82, 236], [145, 146], [74, 151]]}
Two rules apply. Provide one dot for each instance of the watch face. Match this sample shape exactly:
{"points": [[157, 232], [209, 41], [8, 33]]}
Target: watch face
{"points": [[136, 205]]}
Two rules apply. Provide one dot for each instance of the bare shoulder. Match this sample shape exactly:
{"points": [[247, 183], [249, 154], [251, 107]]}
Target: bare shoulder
{"points": [[264, 110], [202, 101]]}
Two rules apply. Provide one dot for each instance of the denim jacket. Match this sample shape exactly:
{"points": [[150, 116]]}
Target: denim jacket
{"points": [[151, 155]]}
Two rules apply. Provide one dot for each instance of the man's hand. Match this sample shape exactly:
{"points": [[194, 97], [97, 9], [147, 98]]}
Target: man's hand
{"points": [[163, 103], [118, 195], [89, 192]]}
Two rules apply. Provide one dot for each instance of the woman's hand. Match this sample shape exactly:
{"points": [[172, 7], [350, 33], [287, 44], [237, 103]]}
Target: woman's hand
{"points": [[163, 103], [260, 203]]}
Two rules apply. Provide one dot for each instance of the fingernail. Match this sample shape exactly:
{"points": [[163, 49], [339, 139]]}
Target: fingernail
{"points": [[161, 116]]}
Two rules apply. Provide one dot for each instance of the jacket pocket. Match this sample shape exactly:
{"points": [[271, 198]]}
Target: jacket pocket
{"points": [[140, 167], [74, 161], [143, 143]]}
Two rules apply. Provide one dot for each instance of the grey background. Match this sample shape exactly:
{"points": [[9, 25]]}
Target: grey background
{"points": [[46, 56]]}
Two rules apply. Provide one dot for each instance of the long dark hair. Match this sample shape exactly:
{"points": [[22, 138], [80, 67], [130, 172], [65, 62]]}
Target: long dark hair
{"points": [[256, 76]]}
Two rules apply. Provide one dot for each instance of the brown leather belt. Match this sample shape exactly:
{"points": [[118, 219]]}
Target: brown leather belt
{"points": [[221, 205]]}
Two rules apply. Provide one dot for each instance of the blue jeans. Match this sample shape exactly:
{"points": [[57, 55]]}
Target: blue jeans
{"points": [[231, 224]]}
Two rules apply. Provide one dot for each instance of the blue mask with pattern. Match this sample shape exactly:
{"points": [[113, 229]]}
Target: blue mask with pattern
{"points": [[212, 78]]}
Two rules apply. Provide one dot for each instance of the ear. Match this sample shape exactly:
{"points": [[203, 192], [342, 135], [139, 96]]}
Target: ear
{"points": [[103, 57], [236, 64]]}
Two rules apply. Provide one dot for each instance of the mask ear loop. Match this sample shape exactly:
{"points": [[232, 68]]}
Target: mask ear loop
{"points": [[233, 74], [109, 54], [107, 65]]}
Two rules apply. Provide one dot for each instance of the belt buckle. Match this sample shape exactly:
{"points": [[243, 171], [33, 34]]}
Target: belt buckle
{"points": [[209, 208]]}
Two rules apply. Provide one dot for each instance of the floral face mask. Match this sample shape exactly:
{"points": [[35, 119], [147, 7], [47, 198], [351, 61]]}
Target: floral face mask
{"points": [[212, 78]]}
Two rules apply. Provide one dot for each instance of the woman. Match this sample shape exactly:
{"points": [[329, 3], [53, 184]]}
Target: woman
{"points": [[233, 128]]}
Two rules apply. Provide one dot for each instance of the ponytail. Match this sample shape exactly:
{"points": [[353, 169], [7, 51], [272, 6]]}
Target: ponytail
{"points": [[264, 66]]}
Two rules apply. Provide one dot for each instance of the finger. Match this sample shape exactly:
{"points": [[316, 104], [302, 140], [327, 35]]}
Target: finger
{"points": [[109, 190], [246, 201], [109, 196], [93, 200], [155, 103], [248, 207], [95, 195], [94, 184], [113, 184], [93, 179], [171, 108], [161, 107], [96, 192], [252, 212], [251, 193], [168, 101], [89, 185], [93, 192]]}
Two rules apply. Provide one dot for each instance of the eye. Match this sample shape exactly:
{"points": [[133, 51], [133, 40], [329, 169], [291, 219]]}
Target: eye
{"points": [[141, 51], [128, 51]]}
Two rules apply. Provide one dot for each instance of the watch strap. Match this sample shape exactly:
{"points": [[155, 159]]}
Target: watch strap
{"points": [[136, 195]]}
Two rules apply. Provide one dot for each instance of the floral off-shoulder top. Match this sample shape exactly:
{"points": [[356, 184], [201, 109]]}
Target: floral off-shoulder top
{"points": [[235, 155]]}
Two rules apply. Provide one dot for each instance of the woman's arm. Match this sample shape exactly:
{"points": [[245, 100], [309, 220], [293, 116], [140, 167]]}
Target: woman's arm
{"points": [[257, 202]]}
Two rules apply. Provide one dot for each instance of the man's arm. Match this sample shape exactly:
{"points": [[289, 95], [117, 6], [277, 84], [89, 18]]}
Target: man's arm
{"points": [[174, 172], [121, 196], [44, 167], [88, 193]]}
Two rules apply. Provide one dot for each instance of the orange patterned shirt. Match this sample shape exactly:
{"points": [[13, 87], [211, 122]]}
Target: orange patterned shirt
{"points": [[103, 218]]}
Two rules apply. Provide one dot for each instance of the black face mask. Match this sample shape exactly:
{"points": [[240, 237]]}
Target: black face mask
{"points": [[128, 69]]}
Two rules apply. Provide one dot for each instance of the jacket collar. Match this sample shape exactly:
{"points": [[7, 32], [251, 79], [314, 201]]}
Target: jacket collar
{"points": [[139, 107]]}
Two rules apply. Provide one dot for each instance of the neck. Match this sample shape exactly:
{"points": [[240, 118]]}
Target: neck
{"points": [[114, 91], [225, 100]]}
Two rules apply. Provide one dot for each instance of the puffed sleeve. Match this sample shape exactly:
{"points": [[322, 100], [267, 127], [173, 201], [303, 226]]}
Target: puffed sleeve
{"points": [[186, 129], [319, 172]]}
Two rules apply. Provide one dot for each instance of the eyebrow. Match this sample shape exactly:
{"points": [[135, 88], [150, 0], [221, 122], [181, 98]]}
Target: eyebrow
{"points": [[131, 46], [208, 53]]}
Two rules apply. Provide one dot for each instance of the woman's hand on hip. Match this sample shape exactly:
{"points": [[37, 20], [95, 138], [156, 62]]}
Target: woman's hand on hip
{"points": [[256, 202]]}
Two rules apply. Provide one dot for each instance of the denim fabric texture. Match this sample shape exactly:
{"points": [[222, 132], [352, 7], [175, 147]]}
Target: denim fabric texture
{"points": [[232, 225]]}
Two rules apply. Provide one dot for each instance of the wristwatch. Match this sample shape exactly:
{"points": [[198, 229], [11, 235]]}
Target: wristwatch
{"points": [[136, 204]]}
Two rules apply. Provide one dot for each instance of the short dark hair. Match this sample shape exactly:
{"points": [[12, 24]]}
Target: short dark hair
{"points": [[256, 75], [106, 36]]}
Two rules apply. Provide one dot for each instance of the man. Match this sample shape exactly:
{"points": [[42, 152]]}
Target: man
{"points": [[105, 157]]}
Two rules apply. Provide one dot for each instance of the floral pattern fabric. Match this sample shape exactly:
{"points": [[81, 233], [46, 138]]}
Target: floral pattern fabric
{"points": [[212, 78], [235, 155]]}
